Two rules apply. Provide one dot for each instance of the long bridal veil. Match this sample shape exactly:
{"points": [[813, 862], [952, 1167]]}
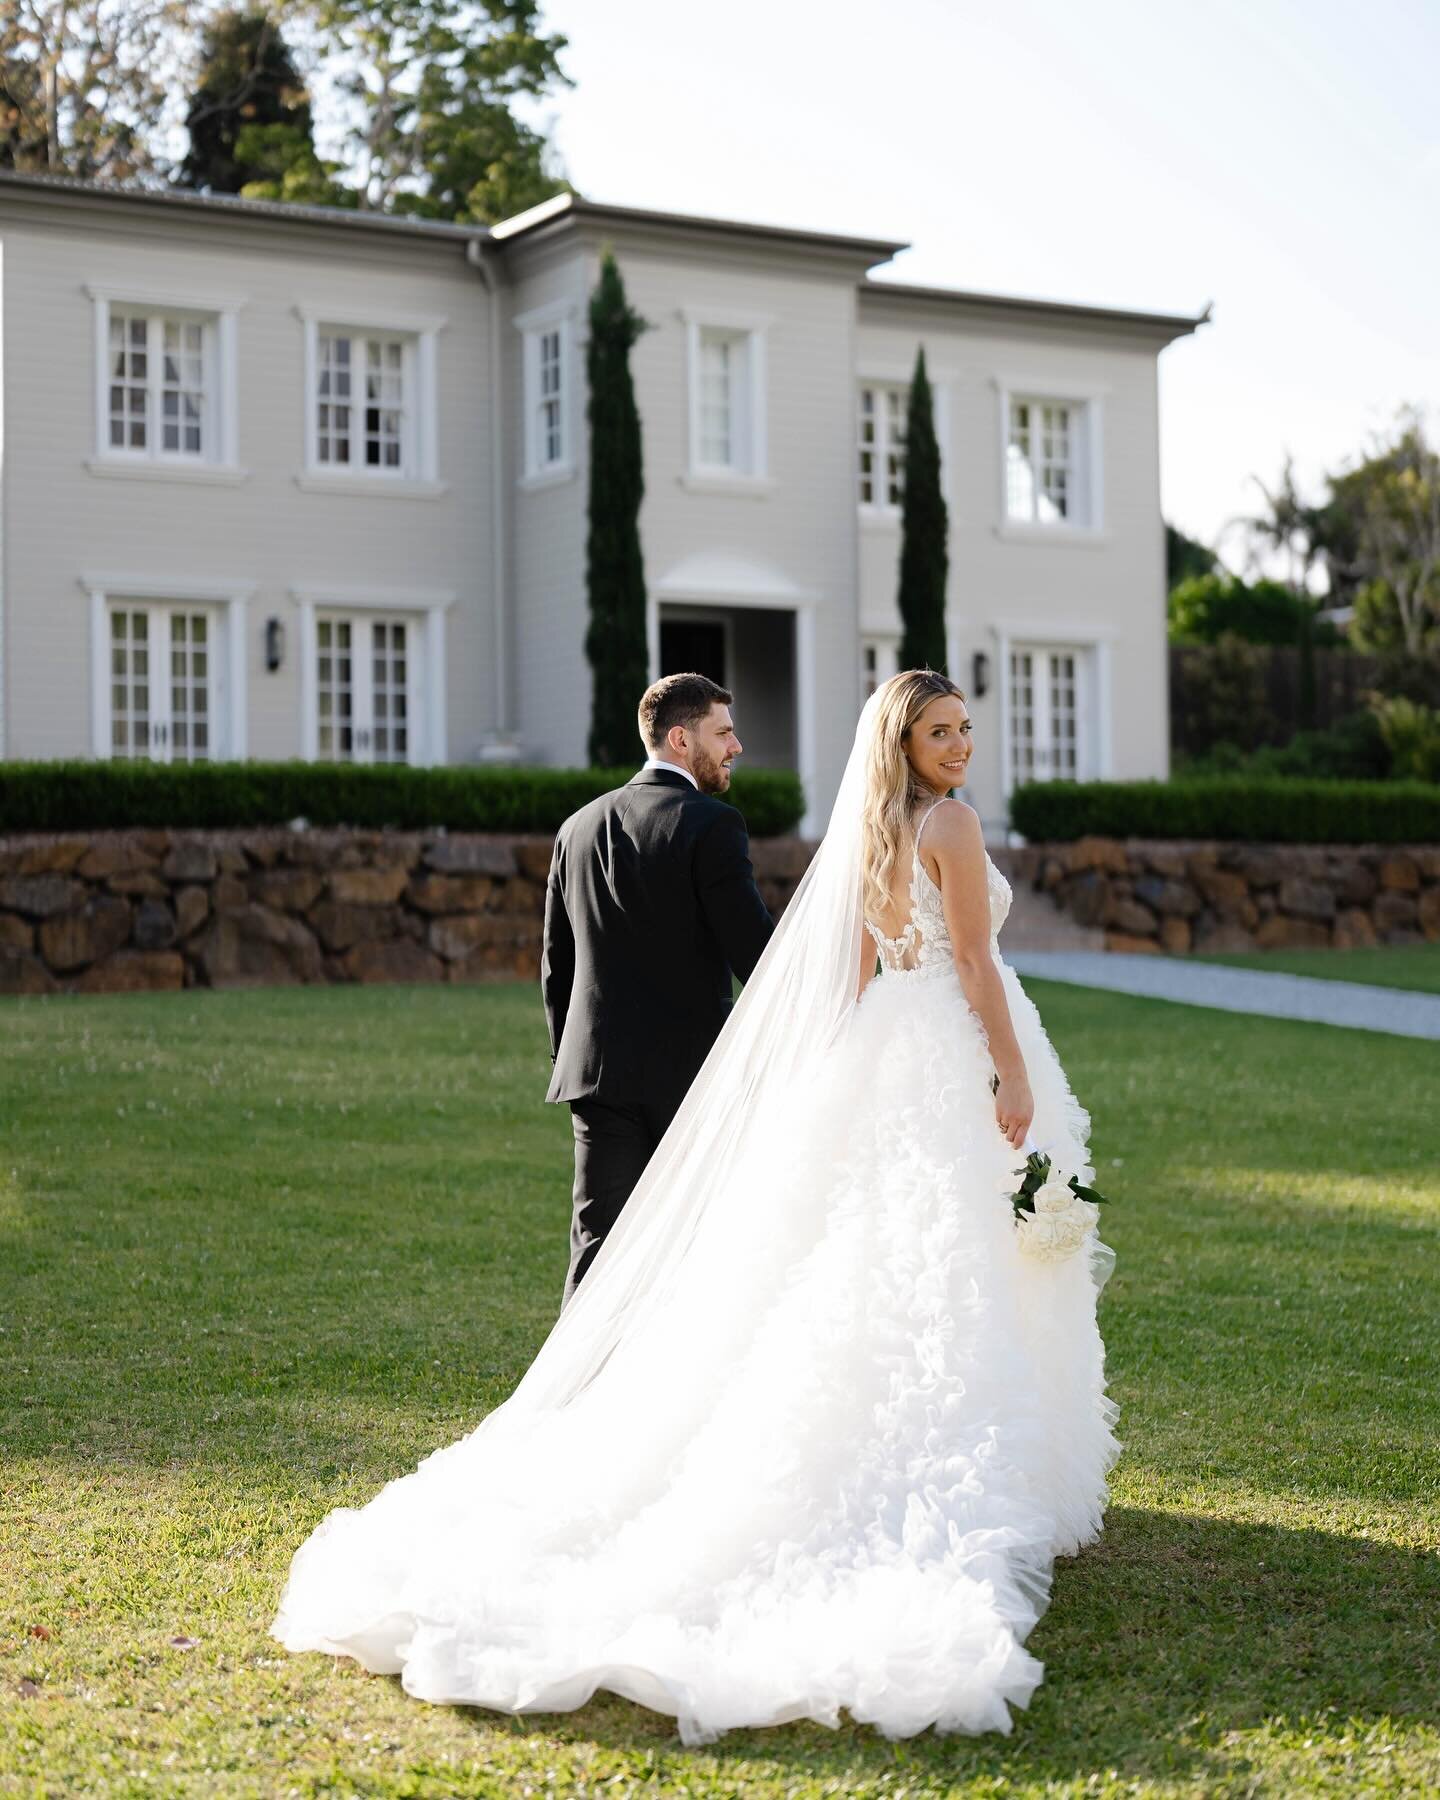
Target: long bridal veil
{"points": [[771, 1051]]}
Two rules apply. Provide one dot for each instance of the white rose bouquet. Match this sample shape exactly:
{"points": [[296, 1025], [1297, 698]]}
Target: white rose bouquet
{"points": [[1054, 1213]]}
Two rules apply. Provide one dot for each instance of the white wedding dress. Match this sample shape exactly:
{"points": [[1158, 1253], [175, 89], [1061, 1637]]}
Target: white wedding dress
{"points": [[827, 1466]]}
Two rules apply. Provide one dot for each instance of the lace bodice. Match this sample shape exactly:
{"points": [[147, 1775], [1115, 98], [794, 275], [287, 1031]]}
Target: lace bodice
{"points": [[924, 946]]}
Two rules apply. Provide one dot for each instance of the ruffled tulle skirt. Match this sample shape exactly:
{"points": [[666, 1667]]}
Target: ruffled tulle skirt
{"points": [[831, 1471]]}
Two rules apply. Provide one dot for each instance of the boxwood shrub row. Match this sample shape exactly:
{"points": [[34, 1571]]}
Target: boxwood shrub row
{"points": [[1247, 809], [94, 796]]}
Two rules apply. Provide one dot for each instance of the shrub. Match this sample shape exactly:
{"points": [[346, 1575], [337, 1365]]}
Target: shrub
{"points": [[1352, 749], [1239, 808], [91, 796], [1412, 736]]}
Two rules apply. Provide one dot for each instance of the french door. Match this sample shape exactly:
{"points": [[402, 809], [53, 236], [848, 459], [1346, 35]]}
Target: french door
{"points": [[164, 683], [1050, 713], [367, 687]]}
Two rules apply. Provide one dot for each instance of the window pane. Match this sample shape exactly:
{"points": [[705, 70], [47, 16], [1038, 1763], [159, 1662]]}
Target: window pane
{"points": [[717, 425], [129, 406], [388, 692], [334, 695], [189, 685]]}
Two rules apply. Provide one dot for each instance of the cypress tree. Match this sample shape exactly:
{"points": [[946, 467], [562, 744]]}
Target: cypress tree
{"points": [[614, 565], [924, 549]]}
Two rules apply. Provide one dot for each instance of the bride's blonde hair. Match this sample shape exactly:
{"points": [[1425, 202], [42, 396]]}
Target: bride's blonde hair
{"points": [[892, 788]]}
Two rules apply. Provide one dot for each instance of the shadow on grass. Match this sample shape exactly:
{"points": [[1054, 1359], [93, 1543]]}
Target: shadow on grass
{"points": [[1171, 1633]]}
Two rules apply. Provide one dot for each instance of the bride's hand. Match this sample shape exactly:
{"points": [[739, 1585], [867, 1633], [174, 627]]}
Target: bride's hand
{"points": [[1014, 1108]]}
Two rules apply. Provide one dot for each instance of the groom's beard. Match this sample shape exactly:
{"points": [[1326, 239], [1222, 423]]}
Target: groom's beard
{"points": [[711, 775]]}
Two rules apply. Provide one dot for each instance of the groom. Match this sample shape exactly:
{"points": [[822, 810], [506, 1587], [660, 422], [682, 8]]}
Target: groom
{"points": [[651, 903]]}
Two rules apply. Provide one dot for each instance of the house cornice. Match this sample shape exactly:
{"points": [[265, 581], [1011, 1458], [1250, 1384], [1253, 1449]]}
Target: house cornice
{"points": [[570, 213], [1004, 308], [61, 195]]}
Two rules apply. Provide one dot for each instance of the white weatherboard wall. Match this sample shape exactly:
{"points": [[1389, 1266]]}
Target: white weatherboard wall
{"points": [[251, 526], [781, 538], [550, 676], [1099, 590]]}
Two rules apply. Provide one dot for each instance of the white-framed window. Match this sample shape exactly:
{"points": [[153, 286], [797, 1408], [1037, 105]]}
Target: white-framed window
{"points": [[372, 667], [165, 385], [881, 447], [364, 402], [1046, 712], [168, 676], [548, 381], [1050, 461], [367, 670], [727, 402], [370, 402]]}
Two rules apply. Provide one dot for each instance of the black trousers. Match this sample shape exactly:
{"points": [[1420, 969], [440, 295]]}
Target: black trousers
{"points": [[613, 1143]]}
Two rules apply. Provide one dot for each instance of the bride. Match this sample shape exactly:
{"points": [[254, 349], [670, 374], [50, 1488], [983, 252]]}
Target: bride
{"points": [[813, 1429]]}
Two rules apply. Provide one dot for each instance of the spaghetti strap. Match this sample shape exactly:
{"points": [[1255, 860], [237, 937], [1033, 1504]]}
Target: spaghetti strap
{"points": [[925, 821]]}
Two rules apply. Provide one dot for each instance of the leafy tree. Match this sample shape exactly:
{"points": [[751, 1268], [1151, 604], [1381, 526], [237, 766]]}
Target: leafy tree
{"points": [[1386, 513], [1261, 612], [1187, 557], [83, 84], [924, 534], [615, 642], [1291, 527], [249, 118], [431, 84], [284, 165]]}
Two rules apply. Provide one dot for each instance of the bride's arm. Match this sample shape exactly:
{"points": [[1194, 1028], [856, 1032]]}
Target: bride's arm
{"points": [[953, 837]]}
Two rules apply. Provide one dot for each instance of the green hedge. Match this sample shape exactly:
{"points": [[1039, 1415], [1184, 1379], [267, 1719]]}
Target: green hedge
{"points": [[91, 796], [1252, 810]]}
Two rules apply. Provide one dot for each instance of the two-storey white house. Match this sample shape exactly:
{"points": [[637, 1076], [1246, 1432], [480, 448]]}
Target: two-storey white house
{"points": [[283, 481]]}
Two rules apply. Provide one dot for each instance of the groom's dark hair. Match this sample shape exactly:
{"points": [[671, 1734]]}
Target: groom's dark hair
{"points": [[678, 700]]}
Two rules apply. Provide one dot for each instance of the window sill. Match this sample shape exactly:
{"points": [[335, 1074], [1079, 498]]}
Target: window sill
{"points": [[547, 478], [370, 487], [1079, 537], [749, 487], [115, 468]]}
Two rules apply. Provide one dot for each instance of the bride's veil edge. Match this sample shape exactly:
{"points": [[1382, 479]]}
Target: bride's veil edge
{"points": [[800, 994]]}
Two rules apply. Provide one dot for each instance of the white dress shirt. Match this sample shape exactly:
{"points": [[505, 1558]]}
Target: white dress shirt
{"points": [[659, 762]]}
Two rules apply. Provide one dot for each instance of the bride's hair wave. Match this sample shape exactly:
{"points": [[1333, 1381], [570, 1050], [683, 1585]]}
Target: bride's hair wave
{"points": [[892, 788]]}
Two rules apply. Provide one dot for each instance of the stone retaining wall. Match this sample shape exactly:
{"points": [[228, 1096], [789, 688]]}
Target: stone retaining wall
{"points": [[116, 912], [1154, 895]]}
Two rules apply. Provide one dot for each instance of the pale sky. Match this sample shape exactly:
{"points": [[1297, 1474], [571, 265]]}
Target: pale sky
{"points": [[1281, 157]]}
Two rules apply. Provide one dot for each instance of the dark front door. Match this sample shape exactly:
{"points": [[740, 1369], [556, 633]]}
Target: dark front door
{"points": [[693, 647]]}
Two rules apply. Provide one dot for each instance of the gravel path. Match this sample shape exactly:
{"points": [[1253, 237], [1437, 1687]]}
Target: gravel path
{"points": [[1351, 1003]]}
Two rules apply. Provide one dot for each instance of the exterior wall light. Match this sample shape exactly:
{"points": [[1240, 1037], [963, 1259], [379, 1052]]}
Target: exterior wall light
{"points": [[274, 644], [980, 674]]}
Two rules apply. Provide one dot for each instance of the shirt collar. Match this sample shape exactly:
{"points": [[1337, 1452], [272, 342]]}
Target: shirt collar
{"points": [[659, 762]]}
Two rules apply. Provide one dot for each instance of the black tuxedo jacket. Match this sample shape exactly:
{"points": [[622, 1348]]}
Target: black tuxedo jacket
{"points": [[651, 903]]}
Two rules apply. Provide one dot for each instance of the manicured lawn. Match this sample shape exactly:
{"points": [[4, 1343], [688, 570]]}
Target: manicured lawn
{"points": [[260, 1252], [1397, 965]]}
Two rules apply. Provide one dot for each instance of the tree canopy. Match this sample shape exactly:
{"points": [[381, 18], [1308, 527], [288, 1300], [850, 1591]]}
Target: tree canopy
{"points": [[250, 118], [421, 101]]}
